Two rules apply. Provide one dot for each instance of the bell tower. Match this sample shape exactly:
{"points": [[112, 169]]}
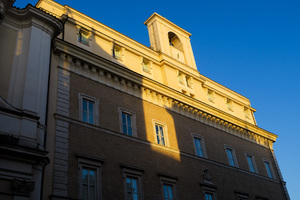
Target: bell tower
{"points": [[170, 39]]}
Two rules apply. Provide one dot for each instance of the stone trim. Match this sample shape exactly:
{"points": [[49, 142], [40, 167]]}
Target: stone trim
{"points": [[154, 145], [148, 92], [60, 175]]}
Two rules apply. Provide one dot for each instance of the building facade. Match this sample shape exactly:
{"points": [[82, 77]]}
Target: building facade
{"points": [[126, 121], [25, 51]]}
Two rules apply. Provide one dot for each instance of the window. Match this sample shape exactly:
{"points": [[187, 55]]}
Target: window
{"points": [[231, 156], [211, 95], [88, 110], [168, 192], [168, 187], [83, 36], [268, 168], [132, 183], [160, 132], [146, 65], [209, 196], [88, 183], [209, 191], [247, 112], [180, 78], [188, 80], [127, 122], [199, 145], [132, 188], [89, 179], [160, 135], [117, 52], [251, 163], [229, 105]]}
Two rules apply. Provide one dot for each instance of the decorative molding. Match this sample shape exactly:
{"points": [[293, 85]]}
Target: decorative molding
{"points": [[120, 78], [60, 175], [22, 186], [207, 177], [158, 146]]}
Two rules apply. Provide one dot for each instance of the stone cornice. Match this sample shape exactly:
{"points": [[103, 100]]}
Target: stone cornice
{"points": [[119, 77], [34, 16], [157, 16], [69, 120]]}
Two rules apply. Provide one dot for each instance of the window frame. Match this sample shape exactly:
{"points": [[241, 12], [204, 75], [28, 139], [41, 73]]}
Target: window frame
{"points": [[83, 31], [95, 101], [135, 174], [181, 78], [209, 193], [202, 143], [148, 63], [252, 158], [235, 162], [241, 196], [97, 167], [133, 121], [229, 104], [206, 189], [211, 95], [188, 81], [120, 50], [247, 112], [165, 129], [270, 168], [168, 181]]}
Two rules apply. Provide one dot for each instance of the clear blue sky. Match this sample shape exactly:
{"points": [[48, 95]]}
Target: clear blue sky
{"points": [[251, 47]]}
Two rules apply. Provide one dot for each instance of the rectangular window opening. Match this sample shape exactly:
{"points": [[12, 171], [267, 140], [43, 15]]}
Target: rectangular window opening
{"points": [[268, 168], [198, 147], [83, 36], [146, 65], [160, 135], [251, 163], [127, 123], [209, 196], [168, 192], [88, 111], [230, 157]]}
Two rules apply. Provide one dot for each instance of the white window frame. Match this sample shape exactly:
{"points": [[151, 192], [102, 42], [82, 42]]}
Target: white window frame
{"points": [[211, 95], [87, 33], [247, 112], [270, 167], [227, 147], [252, 158], [136, 174], [168, 182], [181, 78], [120, 50], [133, 120], [82, 96], [148, 63], [229, 104], [209, 190], [202, 143], [188, 81], [165, 129], [96, 166]]}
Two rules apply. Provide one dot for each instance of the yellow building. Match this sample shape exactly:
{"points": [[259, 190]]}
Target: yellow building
{"points": [[125, 121]]}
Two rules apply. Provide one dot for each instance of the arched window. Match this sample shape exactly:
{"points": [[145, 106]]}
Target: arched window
{"points": [[174, 41]]}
